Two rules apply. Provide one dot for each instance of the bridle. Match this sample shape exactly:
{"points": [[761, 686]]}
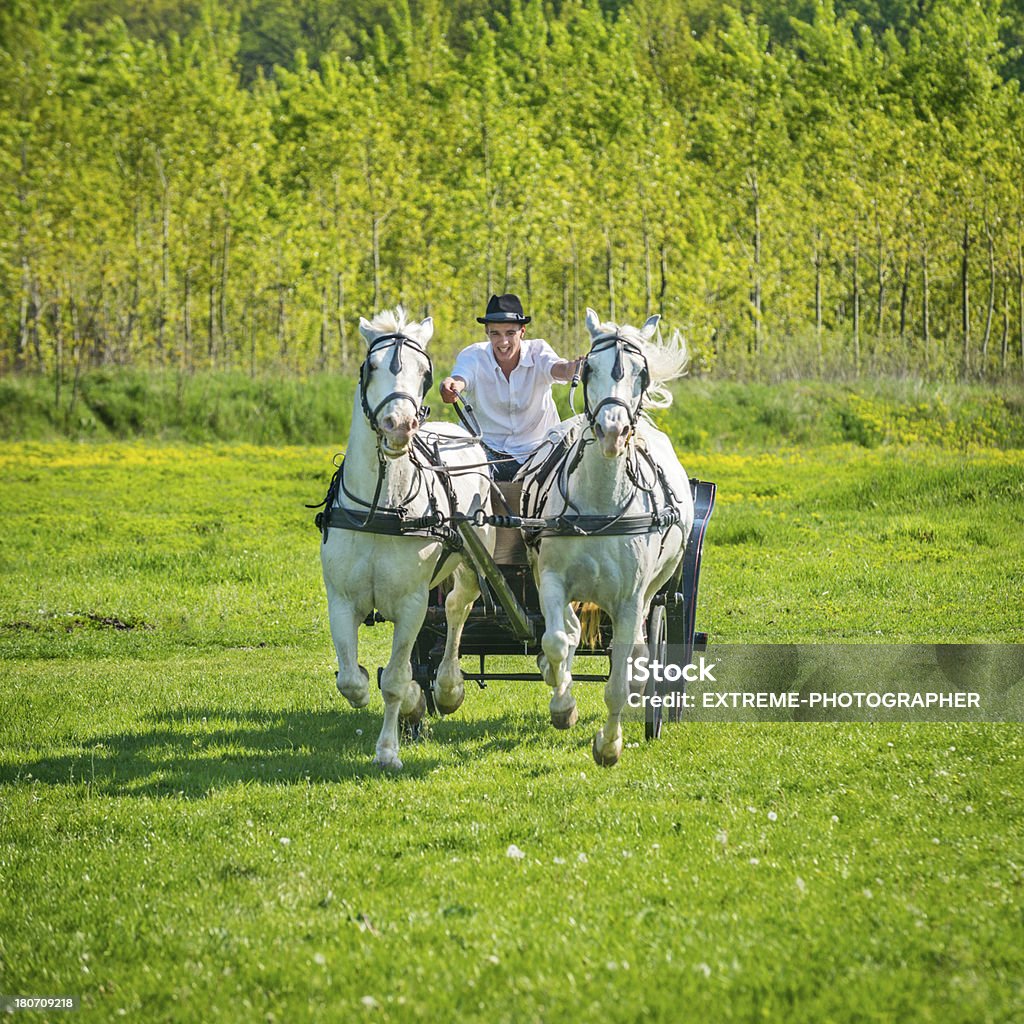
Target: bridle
{"points": [[397, 341], [621, 345]]}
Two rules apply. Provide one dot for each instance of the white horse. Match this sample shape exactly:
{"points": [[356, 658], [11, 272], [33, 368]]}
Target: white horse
{"points": [[389, 511], [618, 472]]}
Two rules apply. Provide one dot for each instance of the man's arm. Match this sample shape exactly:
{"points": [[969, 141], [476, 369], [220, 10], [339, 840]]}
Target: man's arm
{"points": [[566, 369], [451, 388]]}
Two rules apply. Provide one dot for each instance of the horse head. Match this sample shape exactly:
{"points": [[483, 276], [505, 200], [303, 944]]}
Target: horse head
{"points": [[395, 377], [615, 378]]}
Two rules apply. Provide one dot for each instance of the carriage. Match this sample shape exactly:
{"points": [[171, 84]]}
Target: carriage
{"points": [[602, 516]]}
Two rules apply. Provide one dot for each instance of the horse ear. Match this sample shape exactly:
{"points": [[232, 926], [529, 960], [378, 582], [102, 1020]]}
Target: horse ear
{"points": [[648, 329], [366, 330], [425, 331], [593, 323]]}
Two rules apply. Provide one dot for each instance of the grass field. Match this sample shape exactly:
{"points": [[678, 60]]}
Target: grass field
{"points": [[191, 829]]}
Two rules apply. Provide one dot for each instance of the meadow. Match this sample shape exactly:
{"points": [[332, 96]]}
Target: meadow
{"points": [[191, 829]]}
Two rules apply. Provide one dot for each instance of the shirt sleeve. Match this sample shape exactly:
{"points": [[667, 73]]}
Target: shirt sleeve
{"points": [[546, 357], [464, 365]]}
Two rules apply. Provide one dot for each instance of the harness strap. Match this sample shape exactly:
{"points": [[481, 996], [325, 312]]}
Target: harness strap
{"points": [[602, 526]]}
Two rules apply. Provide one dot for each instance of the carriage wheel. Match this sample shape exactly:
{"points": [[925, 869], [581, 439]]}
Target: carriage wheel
{"points": [[423, 676], [657, 650]]}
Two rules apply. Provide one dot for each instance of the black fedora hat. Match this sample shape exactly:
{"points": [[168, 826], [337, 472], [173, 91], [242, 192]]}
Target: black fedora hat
{"points": [[504, 309]]}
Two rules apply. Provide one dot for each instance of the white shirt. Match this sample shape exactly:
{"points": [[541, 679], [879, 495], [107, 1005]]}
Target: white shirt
{"points": [[514, 414]]}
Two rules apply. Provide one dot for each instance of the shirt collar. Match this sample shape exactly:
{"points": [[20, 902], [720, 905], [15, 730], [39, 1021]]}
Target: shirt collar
{"points": [[526, 355]]}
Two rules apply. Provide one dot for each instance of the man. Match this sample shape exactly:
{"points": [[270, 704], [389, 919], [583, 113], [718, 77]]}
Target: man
{"points": [[509, 379]]}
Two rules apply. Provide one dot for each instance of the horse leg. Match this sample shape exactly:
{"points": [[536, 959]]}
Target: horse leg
{"points": [[353, 680], [449, 691], [401, 695], [558, 646], [608, 742]]}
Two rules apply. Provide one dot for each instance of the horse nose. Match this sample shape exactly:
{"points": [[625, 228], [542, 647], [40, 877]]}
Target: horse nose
{"points": [[393, 423], [612, 432]]}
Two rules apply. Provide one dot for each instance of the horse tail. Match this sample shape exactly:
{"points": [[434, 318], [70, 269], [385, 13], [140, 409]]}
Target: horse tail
{"points": [[590, 616]]}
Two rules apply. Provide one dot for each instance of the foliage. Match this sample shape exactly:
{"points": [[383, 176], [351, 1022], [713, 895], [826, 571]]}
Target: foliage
{"points": [[831, 188]]}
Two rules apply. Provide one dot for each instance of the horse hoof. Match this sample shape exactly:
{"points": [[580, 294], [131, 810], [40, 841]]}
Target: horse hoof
{"points": [[359, 695], [413, 718], [449, 709], [604, 758], [565, 719], [388, 760]]}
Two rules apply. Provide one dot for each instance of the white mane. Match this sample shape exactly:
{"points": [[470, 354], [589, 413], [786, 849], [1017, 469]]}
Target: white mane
{"points": [[396, 321], [666, 360], [391, 321]]}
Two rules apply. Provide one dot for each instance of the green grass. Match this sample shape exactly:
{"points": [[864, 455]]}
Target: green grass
{"points": [[166, 678]]}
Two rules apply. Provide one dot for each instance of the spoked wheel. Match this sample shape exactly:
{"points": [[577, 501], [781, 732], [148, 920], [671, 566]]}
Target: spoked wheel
{"points": [[657, 650]]}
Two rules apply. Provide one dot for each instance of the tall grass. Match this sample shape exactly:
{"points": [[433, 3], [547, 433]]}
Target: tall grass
{"points": [[719, 415]]}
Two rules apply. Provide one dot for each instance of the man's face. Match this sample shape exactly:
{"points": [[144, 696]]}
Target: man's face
{"points": [[505, 339]]}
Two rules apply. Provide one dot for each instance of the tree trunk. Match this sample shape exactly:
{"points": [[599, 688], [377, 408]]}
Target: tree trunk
{"points": [[880, 277], [222, 308], [1004, 343], [926, 327], [125, 356], [252, 344], [162, 300], [990, 312], [324, 329], [1020, 296], [609, 267], [186, 315], [575, 280], [339, 317], [211, 317], [76, 356], [663, 284], [489, 202], [965, 299], [376, 263], [58, 353], [26, 315], [818, 316], [282, 324], [648, 287], [756, 273], [904, 299], [565, 302], [856, 305]]}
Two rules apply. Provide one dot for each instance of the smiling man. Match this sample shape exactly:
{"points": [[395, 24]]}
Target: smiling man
{"points": [[509, 378]]}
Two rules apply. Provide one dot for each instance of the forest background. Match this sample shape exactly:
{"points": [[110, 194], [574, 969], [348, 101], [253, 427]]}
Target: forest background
{"points": [[805, 188]]}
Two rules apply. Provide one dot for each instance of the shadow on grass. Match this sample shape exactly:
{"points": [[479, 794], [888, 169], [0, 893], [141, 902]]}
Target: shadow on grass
{"points": [[194, 752]]}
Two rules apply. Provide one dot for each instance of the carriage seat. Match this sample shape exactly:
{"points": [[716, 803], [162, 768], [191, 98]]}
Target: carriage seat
{"points": [[509, 548]]}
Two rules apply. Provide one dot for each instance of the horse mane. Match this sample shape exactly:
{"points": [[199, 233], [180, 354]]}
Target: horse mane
{"points": [[666, 360], [391, 321]]}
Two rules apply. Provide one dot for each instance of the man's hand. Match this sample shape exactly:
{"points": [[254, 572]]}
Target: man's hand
{"points": [[451, 387]]}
